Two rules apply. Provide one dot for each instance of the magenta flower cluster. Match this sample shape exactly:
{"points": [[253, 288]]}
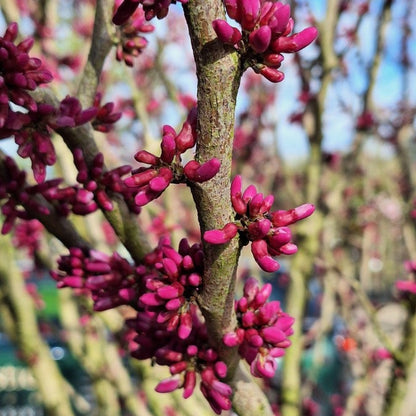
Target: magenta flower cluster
{"points": [[20, 200], [263, 329], [184, 357], [99, 183], [91, 272], [169, 327], [132, 43], [19, 74], [172, 280], [32, 127], [266, 34], [167, 168], [267, 231], [152, 8]]}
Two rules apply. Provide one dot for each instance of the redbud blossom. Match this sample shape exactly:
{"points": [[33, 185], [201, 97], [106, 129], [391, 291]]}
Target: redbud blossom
{"points": [[263, 329], [150, 182], [266, 230], [266, 29], [226, 33]]}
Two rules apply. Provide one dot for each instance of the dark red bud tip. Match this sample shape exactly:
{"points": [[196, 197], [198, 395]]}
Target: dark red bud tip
{"points": [[124, 11]]}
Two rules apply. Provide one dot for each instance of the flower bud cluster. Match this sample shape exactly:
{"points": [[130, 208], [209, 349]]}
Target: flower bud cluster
{"points": [[32, 131], [106, 116], [105, 277], [98, 182], [25, 202], [168, 327], [266, 34], [172, 279], [152, 181], [267, 231], [184, 357], [19, 73], [152, 8], [131, 43], [263, 329]]}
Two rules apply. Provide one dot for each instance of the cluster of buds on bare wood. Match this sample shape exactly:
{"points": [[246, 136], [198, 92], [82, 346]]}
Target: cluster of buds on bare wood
{"points": [[152, 8], [167, 168], [99, 183], [266, 34], [263, 329], [169, 327], [267, 231], [132, 43]]}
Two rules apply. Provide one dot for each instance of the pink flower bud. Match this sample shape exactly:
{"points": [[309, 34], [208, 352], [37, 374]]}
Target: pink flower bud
{"points": [[192, 350], [262, 257], [168, 385], [281, 218], [151, 299], [288, 249], [178, 367], [175, 304], [127, 294], [170, 267], [285, 323], [225, 32], [170, 291], [144, 196], [251, 288], [194, 279], [255, 205], [162, 181], [272, 74], [222, 236], [233, 9], [280, 237], [250, 10], [222, 388], [185, 326], [280, 19], [263, 366], [258, 230], [253, 338], [262, 295], [268, 312], [273, 60], [220, 369], [189, 384], [168, 146], [187, 136], [295, 42], [144, 156], [249, 193], [196, 172], [273, 335], [230, 339], [248, 319], [268, 9], [260, 38]]}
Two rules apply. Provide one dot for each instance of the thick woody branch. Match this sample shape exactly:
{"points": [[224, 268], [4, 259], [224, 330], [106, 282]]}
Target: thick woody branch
{"points": [[219, 72]]}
